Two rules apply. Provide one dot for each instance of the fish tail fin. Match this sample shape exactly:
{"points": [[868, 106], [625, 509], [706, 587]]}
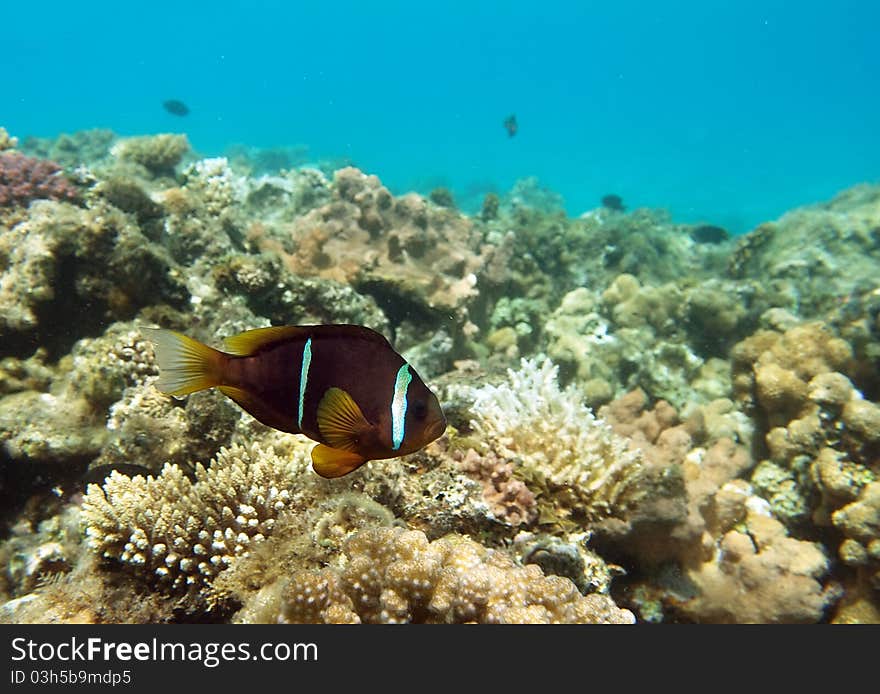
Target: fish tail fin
{"points": [[185, 365]]}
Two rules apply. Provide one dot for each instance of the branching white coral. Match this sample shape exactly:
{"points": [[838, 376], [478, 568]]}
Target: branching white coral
{"points": [[555, 438], [182, 532]]}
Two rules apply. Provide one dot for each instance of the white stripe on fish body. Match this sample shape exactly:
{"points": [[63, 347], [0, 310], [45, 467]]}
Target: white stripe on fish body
{"points": [[398, 406], [303, 378]]}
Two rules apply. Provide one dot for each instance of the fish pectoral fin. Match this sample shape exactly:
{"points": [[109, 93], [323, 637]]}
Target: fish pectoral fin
{"points": [[332, 462], [340, 420]]}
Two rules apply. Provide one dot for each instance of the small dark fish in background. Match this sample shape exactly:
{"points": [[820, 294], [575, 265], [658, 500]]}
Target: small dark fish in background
{"points": [[175, 107], [709, 233], [510, 125], [613, 202], [343, 386]]}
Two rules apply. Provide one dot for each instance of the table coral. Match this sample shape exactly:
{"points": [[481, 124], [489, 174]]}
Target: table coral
{"points": [[182, 533], [394, 576]]}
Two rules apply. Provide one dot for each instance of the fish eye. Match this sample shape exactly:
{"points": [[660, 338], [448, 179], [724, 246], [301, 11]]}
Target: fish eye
{"points": [[419, 409]]}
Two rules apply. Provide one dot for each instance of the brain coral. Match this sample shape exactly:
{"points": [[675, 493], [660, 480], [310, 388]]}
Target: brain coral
{"points": [[182, 533], [395, 576]]}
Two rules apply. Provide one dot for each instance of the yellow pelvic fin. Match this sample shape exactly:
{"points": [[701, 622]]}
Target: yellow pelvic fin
{"points": [[185, 365], [332, 462], [340, 420], [250, 341]]}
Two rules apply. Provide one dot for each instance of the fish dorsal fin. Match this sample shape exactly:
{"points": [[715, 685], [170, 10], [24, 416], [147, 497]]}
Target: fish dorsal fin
{"points": [[340, 420], [333, 462], [250, 341]]}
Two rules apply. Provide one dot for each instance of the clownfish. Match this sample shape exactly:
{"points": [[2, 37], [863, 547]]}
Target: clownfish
{"points": [[343, 386]]}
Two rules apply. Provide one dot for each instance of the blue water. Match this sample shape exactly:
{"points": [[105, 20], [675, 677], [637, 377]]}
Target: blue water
{"points": [[729, 112]]}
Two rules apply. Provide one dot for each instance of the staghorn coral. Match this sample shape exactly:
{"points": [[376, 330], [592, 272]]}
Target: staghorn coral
{"points": [[24, 179], [182, 533], [394, 576], [556, 443]]}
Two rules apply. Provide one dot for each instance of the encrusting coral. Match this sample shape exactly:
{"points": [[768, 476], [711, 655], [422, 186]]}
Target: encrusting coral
{"points": [[23, 179], [394, 576], [183, 533]]}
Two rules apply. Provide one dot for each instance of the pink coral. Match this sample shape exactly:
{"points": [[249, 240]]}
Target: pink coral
{"points": [[23, 179], [509, 499]]}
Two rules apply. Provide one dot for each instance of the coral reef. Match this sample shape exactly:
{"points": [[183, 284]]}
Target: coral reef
{"points": [[641, 413], [723, 539], [68, 272], [557, 445], [839, 258], [401, 251], [182, 533], [393, 576], [24, 179], [84, 147], [157, 154], [780, 574], [6, 141]]}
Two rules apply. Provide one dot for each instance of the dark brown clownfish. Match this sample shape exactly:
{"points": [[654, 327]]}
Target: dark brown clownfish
{"points": [[343, 386]]}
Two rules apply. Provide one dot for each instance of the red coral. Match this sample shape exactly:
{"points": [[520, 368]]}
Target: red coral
{"points": [[23, 179]]}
